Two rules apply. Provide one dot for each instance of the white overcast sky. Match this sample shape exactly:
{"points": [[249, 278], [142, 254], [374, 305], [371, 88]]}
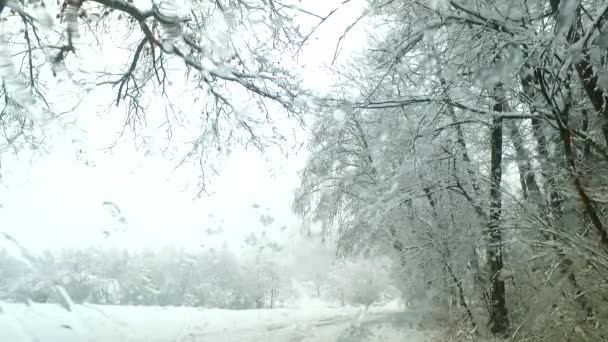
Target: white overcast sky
{"points": [[57, 200]]}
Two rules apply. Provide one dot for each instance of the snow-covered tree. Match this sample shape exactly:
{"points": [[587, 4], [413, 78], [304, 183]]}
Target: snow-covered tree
{"points": [[230, 56], [465, 140]]}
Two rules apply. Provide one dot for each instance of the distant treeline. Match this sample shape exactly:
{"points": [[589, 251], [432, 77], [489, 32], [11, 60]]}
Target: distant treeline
{"points": [[214, 278]]}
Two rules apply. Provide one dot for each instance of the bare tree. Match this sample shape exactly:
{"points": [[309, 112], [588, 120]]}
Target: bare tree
{"points": [[224, 53]]}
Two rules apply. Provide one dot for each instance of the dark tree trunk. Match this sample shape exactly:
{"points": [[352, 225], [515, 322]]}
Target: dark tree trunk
{"points": [[499, 320]]}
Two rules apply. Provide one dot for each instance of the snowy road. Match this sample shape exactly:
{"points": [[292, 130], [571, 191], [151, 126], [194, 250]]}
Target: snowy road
{"points": [[52, 323], [385, 327]]}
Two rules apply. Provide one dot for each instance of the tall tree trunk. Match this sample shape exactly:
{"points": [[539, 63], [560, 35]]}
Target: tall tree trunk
{"points": [[499, 320], [553, 197], [530, 187], [272, 296]]}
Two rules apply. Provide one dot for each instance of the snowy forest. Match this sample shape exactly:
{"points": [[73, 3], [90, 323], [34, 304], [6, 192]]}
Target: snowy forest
{"points": [[211, 279], [455, 151]]}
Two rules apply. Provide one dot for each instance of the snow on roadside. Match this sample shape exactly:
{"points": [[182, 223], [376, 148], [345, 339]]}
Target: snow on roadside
{"points": [[52, 323]]}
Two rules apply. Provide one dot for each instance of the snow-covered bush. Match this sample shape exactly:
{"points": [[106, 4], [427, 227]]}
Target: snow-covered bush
{"points": [[361, 281]]}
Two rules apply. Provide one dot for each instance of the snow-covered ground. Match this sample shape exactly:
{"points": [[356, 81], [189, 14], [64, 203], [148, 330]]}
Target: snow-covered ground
{"points": [[53, 323]]}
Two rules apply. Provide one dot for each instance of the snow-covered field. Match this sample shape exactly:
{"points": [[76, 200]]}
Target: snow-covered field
{"points": [[53, 323]]}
